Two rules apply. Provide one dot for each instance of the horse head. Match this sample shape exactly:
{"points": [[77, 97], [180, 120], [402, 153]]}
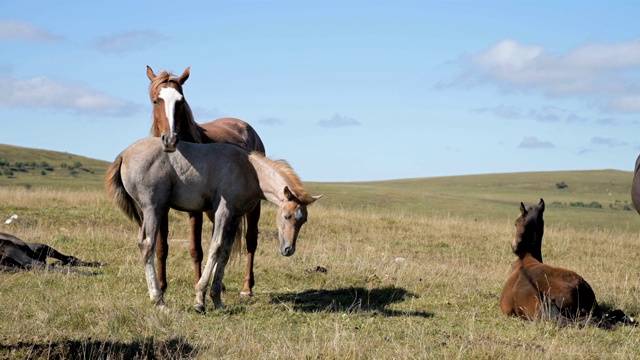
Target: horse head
{"points": [[169, 105], [291, 215], [529, 231]]}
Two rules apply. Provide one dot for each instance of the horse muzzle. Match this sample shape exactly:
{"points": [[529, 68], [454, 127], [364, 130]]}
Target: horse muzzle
{"points": [[287, 251], [169, 143]]}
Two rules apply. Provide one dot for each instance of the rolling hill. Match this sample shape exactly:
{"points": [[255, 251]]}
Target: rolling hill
{"points": [[594, 198]]}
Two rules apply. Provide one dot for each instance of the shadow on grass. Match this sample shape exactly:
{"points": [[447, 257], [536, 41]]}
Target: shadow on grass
{"points": [[349, 300], [90, 349]]}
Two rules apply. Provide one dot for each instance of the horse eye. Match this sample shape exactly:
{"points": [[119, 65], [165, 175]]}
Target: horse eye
{"points": [[155, 102]]}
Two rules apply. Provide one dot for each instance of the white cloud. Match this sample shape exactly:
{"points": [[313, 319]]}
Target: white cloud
{"points": [[22, 30], [338, 121], [598, 72], [45, 92], [534, 143], [128, 41]]}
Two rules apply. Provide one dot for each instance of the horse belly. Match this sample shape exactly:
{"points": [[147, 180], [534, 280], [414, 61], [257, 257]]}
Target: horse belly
{"points": [[186, 199]]}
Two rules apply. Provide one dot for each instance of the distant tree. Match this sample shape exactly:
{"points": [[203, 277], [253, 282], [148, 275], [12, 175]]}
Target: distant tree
{"points": [[4, 162], [561, 185], [43, 172], [7, 172], [77, 165], [63, 165], [44, 164]]}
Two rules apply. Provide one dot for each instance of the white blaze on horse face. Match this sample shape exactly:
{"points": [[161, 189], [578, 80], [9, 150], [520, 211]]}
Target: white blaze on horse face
{"points": [[170, 97]]}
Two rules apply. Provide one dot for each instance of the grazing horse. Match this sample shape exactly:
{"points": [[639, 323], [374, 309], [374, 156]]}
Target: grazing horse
{"points": [[17, 255], [173, 121], [535, 290], [223, 180], [635, 186]]}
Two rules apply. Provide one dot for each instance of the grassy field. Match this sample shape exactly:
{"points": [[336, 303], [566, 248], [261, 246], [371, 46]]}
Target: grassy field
{"points": [[414, 270]]}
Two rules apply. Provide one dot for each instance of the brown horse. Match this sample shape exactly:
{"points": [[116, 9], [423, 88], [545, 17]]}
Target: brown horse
{"points": [[172, 122], [223, 180], [17, 255], [535, 290]]}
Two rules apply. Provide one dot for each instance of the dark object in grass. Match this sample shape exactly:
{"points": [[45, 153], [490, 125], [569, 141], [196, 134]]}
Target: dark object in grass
{"points": [[17, 255]]}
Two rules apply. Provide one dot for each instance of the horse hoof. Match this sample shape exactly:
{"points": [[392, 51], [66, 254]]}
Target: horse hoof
{"points": [[163, 308], [246, 294], [200, 309]]}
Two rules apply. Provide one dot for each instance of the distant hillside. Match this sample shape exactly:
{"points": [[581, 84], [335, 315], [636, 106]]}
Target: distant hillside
{"points": [[26, 167], [595, 198]]}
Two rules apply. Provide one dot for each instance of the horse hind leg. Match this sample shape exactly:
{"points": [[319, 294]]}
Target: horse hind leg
{"points": [[45, 251], [217, 287], [251, 237], [162, 251], [147, 245]]}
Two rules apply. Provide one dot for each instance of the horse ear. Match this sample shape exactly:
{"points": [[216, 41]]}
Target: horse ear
{"points": [[150, 74], [541, 205], [184, 76], [288, 194], [523, 210]]}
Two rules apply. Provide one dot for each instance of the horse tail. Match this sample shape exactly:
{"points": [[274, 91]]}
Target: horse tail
{"points": [[236, 249], [118, 194]]}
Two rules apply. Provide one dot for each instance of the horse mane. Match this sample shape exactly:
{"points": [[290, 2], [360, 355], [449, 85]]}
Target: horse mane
{"points": [[190, 130], [292, 179]]}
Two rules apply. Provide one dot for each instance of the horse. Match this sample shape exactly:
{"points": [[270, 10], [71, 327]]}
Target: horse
{"points": [[222, 180], [635, 186], [173, 121], [534, 290], [17, 255]]}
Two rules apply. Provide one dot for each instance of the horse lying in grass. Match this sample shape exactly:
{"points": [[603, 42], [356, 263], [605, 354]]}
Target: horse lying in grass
{"points": [[17, 255], [535, 290], [222, 180]]}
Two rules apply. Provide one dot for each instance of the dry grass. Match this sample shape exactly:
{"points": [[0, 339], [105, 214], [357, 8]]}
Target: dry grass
{"points": [[399, 285]]}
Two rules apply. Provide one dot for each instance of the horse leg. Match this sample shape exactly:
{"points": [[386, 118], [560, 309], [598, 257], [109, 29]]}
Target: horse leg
{"points": [[228, 236], [195, 220], [43, 252], [253, 217], [162, 251], [220, 219], [147, 237]]}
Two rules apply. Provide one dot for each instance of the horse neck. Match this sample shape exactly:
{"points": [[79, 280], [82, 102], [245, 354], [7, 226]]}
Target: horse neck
{"points": [[190, 131], [272, 183]]}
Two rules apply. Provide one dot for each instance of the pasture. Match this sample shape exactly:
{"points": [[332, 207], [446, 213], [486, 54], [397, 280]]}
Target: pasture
{"points": [[414, 269]]}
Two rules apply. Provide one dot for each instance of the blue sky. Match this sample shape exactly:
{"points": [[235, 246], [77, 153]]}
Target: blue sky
{"points": [[344, 90]]}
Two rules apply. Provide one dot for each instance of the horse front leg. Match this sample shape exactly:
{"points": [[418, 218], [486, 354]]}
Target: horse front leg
{"points": [[162, 251], [251, 237], [195, 249], [220, 218]]}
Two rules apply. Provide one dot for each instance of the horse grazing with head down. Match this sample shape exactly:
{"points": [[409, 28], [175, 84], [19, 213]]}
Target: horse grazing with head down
{"points": [[535, 290], [173, 122], [222, 180]]}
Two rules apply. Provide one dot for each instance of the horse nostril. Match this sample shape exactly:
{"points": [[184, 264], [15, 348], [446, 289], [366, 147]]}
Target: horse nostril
{"points": [[163, 138], [288, 251]]}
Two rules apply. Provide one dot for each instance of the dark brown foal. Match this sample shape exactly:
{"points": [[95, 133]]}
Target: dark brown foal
{"points": [[535, 290]]}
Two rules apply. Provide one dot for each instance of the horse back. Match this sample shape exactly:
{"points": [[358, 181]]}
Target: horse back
{"points": [[232, 131]]}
